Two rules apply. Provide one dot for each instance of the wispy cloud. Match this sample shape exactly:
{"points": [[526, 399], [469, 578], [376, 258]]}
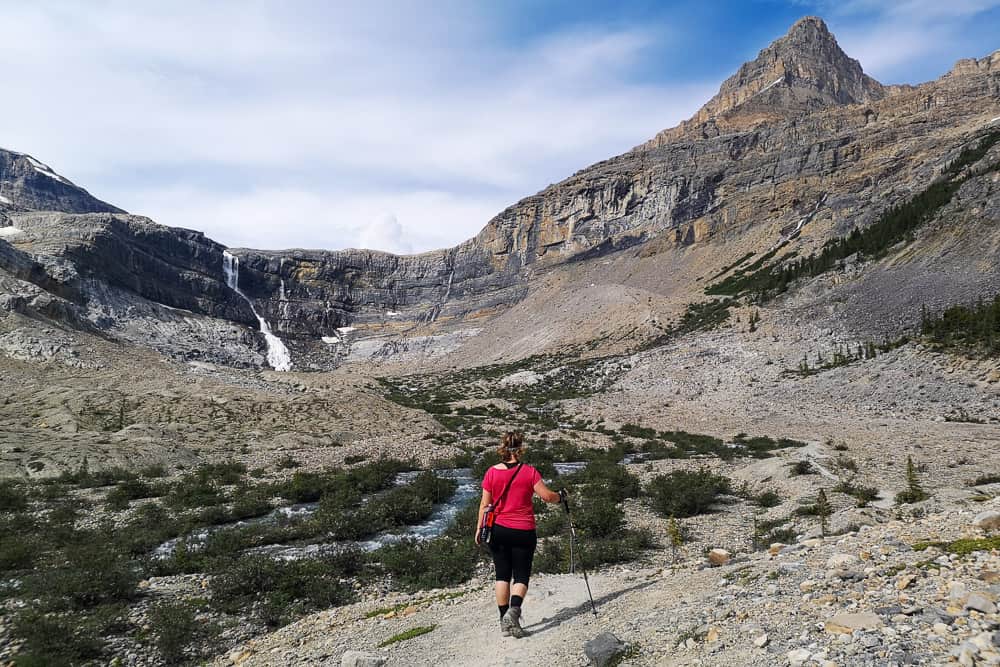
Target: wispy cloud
{"points": [[316, 127], [904, 40]]}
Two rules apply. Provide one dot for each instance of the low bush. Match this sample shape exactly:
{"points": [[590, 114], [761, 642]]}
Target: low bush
{"points": [[178, 631], [88, 572], [685, 493], [55, 640], [801, 468], [768, 499], [862, 494], [425, 564], [983, 480], [278, 591], [13, 498]]}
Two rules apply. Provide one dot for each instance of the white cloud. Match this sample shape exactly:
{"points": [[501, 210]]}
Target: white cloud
{"points": [[275, 128], [894, 40]]}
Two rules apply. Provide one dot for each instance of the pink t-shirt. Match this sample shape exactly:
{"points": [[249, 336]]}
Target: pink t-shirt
{"points": [[516, 510]]}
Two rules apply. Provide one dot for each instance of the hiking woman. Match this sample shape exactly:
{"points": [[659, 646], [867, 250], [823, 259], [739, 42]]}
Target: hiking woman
{"points": [[511, 485]]}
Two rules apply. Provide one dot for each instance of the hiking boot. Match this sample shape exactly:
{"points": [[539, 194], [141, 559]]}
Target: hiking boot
{"points": [[504, 629], [512, 622]]}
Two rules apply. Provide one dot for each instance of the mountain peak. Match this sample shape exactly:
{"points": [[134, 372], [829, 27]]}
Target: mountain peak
{"points": [[803, 71]]}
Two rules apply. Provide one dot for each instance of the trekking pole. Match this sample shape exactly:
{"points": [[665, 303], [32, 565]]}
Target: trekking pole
{"points": [[572, 538]]}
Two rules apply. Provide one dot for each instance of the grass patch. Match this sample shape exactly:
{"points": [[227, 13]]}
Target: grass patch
{"points": [[962, 547], [408, 634]]}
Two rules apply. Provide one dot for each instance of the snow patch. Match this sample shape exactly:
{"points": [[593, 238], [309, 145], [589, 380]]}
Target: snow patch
{"points": [[44, 169], [4, 200], [330, 340], [392, 313], [771, 85], [344, 330], [9, 231]]}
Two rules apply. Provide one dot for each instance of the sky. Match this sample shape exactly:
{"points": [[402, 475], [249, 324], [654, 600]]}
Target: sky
{"points": [[401, 126]]}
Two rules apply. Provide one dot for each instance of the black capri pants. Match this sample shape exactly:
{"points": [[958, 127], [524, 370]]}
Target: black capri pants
{"points": [[513, 550]]}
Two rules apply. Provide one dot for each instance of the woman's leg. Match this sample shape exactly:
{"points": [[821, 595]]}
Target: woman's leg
{"points": [[522, 555], [502, 562]]}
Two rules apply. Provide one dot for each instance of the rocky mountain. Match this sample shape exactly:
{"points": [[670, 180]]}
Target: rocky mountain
{"points": [[27, 184], [799, 133], [697, 337]]}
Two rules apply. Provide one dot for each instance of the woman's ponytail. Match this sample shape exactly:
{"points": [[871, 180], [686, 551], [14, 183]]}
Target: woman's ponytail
{"points": [[511, 446]]}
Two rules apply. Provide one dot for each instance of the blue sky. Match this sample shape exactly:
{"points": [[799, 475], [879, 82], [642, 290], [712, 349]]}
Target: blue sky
{"points": [[403, 126]]}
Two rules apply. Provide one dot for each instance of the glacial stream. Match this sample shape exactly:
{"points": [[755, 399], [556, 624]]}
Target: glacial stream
{"points": [[434, 526], [277, 354]]}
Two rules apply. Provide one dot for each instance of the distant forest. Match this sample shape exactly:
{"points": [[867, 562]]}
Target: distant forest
{"points": [[972, 328], [761, 283]]}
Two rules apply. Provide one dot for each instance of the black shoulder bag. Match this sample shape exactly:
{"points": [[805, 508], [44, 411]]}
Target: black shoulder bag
{"points": [[489, 516]]}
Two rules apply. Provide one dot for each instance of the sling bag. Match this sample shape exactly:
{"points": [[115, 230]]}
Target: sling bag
{"points": [[489, 516]]}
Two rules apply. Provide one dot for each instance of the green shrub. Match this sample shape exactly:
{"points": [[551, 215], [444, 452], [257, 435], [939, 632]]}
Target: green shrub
{"points": [[283, 591], [768, 499], [13, 498], [685, 493], [862, 494], [846, 463], [154, 471], [983, 480], [90, 572], [178, 631], [192, 491], [52, 640], [425, 564], [801, 468], [598, 515], [229, 472]]}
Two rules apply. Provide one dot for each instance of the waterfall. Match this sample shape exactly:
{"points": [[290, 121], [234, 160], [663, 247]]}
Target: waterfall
{"points": [[277, 354]]}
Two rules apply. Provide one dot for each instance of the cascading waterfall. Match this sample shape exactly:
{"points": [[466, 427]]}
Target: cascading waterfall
{"points": [[277, 354]]}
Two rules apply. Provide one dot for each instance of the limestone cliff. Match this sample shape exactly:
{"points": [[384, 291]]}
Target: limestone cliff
{"points": [[800, 130]]}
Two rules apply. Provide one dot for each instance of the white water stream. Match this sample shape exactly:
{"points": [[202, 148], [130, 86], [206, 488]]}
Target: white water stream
{"points": [[277, 354]]}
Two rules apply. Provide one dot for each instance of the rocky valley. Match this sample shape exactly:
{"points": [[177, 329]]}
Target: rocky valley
{"points": [[264, 457]]}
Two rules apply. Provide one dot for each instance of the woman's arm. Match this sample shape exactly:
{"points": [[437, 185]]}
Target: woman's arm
{"points": [[546, 494], [483, 503]]}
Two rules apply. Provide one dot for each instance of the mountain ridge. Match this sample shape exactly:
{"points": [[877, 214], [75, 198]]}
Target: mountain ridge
{"points": [[697, 183]]}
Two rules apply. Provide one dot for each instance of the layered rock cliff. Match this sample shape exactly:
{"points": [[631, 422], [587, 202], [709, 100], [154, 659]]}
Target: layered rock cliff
{"points": [[799, 131]]}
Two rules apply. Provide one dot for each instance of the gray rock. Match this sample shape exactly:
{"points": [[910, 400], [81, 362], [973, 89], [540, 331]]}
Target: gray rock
{"points": [[361, 659], [603, 649], [981, 603], [989, 520]]}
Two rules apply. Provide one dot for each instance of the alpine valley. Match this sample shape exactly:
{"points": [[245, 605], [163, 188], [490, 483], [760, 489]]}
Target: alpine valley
{"points": [[265, 457]]}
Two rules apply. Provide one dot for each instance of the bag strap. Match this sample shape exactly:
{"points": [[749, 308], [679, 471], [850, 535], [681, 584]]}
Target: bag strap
{"points": [[506, 488]]}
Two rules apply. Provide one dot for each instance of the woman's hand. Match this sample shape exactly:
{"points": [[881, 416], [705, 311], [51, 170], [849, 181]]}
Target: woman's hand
{"points": [[478, 541]]}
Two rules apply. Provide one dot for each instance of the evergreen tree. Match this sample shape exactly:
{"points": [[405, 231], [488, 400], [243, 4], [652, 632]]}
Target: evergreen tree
{"points": [[823, 510], [914, 491], [676, 537]]}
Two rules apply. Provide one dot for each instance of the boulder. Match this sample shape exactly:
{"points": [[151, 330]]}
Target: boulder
{"points": [[846, 623], [979, 602], [989, 520], [361, 659], [719, 557], [603, 649], [840, 561], [798, 657]]}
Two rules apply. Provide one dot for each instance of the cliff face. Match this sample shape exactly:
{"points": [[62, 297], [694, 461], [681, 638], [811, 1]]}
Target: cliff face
{"points": [[800, 130], [27, 184]]}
